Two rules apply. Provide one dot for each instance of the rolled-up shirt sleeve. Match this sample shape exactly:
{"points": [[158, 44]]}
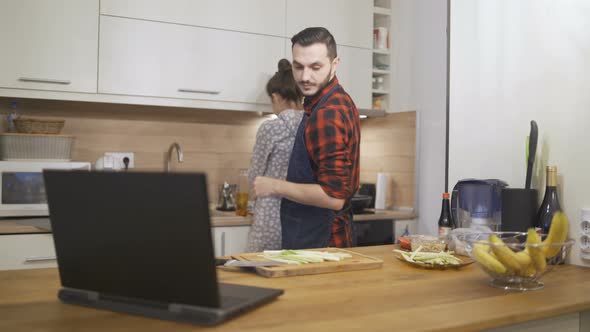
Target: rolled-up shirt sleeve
{"points": [[327, 135]]}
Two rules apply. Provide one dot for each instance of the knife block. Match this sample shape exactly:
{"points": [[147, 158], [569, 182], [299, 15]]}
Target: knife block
{"points": [[519, 209]]}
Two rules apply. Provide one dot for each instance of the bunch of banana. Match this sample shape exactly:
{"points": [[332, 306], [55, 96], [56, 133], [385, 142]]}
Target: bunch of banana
{"points": [[557, 234], [502, 260], [486, 258], [537, 253]]}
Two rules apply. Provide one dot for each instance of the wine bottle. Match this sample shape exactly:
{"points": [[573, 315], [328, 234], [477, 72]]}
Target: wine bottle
{"points": [[445, 221], [550, 203]]}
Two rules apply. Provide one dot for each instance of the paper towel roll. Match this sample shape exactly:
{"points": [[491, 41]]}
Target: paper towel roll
{"points": [[381, 191]]}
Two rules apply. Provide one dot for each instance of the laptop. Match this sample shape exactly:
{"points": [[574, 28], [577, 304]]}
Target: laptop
{"points": [[141, 243]]}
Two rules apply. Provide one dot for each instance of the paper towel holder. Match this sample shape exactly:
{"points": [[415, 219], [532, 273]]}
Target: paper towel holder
{"points": [[382, 192]]}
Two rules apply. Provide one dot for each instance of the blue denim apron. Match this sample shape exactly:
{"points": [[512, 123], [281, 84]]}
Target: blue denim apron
{"points": [[305, 226]]}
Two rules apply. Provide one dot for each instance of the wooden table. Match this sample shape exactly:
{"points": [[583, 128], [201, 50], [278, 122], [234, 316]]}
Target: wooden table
{"points": [[397, 297]]}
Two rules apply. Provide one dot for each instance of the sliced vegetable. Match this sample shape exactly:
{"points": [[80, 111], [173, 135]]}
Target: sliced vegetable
{"points": [[439, 258], [303, 256]]}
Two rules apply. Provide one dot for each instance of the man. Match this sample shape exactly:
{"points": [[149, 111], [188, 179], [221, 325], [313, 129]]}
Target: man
{"points": [[323, 170]]}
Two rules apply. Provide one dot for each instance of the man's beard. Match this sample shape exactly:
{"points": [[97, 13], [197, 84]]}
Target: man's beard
{"points": [[323, 84], [326, 81]]}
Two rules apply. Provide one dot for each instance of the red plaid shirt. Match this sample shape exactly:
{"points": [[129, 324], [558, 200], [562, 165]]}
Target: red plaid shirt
{"points": [[332, 137]]}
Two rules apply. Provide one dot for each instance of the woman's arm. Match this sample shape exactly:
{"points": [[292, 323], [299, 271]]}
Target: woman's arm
{"points": [[308, 194]]}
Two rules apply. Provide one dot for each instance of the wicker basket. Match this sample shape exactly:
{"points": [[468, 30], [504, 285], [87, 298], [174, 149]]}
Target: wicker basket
{"points": [[38, 126], [35, 146]]}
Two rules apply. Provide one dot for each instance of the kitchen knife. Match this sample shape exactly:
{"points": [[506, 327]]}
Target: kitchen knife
{"points": [[237, 263], [532, 149]]}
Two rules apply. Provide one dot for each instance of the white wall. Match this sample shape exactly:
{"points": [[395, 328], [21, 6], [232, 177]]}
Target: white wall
{"points": [[429, 90], [511, 62]]}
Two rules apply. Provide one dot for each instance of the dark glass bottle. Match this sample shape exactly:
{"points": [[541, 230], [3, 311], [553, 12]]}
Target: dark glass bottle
{"points": [[445, 221], [550, 203]]}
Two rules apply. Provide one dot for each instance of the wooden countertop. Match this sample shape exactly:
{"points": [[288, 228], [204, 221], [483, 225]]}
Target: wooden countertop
{"points": [[397, 297], [218, 219], [13, 226], [385, 214]]}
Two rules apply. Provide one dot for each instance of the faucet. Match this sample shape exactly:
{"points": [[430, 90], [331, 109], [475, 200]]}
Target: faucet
{"points": [[169, 155]]}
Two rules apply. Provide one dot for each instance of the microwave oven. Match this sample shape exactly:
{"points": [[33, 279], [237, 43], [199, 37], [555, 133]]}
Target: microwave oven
{"points": [[22, 192]]}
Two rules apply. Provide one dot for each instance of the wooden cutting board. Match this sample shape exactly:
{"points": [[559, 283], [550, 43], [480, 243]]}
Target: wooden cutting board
{"points": [[356, 262]]}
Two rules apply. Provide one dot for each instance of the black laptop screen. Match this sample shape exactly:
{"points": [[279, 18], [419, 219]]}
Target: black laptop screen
{"points": [[136, 235]]}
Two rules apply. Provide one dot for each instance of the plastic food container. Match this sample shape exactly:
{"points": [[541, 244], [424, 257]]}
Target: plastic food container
{"points": [[428, 243]]}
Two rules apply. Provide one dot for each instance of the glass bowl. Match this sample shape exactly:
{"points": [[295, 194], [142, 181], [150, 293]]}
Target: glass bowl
{"points": [[428, 243], [513, 264]]}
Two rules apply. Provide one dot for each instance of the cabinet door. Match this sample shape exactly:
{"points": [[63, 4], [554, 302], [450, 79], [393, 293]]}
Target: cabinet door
{"points": [[219, 237], [257, 16], [27, 251], [237, 239], [230, 240], [167, 60], [353, 72], [49, 45], [349, 21]]}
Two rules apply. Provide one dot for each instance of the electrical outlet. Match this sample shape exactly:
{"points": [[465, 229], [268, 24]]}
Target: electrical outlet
{"points": [[585, 243], [585, 221], [118, 159]]}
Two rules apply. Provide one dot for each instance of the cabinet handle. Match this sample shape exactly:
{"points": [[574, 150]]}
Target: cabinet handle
{"points": [[209, 92], [40, 259], [43, 80], [222, 243]]}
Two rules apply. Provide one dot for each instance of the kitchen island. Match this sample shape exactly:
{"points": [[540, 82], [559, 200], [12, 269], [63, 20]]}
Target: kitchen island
{"points": [[396, 297]]}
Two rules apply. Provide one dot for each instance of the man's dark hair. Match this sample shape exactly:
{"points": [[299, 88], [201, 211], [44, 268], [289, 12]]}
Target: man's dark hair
{"points": [[314, 35]]}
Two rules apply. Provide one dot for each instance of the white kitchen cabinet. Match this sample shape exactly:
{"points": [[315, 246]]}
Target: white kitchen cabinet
{"points": [[349, 21], [255, 16], [49, 45], [26, 251], [230, 240], [353, 72], [144, 58]]}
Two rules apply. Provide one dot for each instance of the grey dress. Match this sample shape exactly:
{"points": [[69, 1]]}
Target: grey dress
{"points": [[272, 150]]}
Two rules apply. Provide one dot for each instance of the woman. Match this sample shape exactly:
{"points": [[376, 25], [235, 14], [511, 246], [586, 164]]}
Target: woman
{"points": [[272, 150]]}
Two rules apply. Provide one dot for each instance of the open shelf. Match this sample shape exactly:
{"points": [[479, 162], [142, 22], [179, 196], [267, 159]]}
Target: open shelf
{"points": [[381, 51], [380, 72], [382, 11]]}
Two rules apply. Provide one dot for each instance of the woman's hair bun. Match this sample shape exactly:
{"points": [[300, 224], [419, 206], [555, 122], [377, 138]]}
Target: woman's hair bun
{"points": [[284, 65]]}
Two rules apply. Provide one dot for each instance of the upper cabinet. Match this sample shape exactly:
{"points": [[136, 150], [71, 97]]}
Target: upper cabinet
{"points": [[354, 74], [190, 53], [49, 45], [255, 16], [349, 21], [146, 58]]}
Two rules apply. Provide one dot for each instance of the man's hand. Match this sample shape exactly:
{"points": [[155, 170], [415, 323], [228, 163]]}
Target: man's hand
{"points": [[264, 186]]}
